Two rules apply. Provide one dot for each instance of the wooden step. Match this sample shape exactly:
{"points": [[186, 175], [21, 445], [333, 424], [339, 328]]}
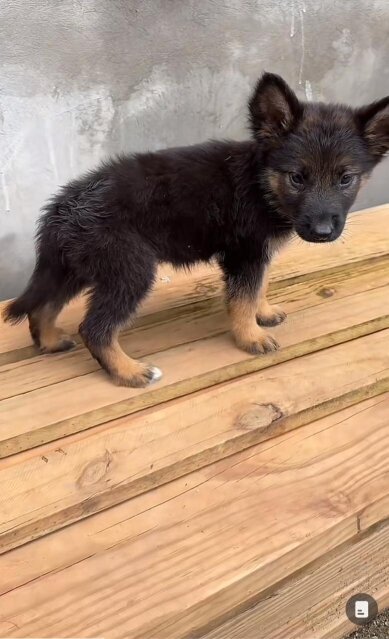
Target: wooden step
{"points": [[106, 466]]}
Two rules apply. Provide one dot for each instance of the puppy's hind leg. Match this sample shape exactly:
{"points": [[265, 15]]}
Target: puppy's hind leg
{"points": [[49, 337], [49, 289], [46, 334], [115, 298]]}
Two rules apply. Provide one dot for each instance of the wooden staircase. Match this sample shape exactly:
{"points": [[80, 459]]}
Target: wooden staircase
{"points": [[241, 497]]}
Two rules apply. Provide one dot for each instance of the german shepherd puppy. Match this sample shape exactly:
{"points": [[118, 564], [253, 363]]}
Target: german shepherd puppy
{"points": [[237, 202]]}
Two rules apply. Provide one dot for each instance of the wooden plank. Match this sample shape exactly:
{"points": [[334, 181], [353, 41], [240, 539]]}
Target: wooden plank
{"points": [[366, 237], [313, 605], [69, 480], [234, 529], [83, 402], [185, 324]]}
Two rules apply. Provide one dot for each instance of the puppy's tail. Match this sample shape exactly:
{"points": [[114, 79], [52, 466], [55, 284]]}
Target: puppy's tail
{"points": [[39, 291]]}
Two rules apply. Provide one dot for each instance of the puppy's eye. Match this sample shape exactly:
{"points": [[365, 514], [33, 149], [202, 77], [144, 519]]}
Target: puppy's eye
{"points": [[347, 179], [296, 179]]}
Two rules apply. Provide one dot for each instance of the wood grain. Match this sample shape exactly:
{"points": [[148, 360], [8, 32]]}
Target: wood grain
{"points": [[232, 530], [367, 237]]}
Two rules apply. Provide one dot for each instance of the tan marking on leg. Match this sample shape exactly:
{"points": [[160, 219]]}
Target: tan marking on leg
{"points": [[46, 334], [124, 370], [268, 314], [248, 335]]}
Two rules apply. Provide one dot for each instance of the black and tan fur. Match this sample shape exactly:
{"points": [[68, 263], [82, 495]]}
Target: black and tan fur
{"points": [[230, 201]]}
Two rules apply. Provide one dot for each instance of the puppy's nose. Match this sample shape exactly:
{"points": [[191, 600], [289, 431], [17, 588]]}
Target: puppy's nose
{"points": [[323, 229]]}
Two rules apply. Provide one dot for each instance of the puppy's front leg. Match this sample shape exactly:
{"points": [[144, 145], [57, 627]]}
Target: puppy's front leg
{"points": [[268, 314], [243, 285]]}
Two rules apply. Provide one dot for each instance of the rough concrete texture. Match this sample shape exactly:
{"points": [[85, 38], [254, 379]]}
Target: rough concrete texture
{"points": [[82, 79], [377, 629]]}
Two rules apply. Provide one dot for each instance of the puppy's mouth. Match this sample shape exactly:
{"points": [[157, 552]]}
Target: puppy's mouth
{"points": [[318, 239], [321, 234]]}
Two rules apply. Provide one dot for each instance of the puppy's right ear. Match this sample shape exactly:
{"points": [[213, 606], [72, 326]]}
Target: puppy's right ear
{"points": [[274, 108], [373, 120]]}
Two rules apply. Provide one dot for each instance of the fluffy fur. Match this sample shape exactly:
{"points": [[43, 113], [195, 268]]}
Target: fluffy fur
{"points": [[233, 201]]}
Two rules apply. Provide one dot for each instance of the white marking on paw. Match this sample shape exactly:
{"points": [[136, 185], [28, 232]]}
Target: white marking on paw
{"points": [[156, 374]]}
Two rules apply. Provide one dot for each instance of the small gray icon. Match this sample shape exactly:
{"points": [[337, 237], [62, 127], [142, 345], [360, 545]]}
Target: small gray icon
{"points": [[361, 609]]}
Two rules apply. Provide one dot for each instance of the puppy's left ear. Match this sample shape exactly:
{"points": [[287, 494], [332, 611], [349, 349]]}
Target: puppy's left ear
{"points": [[274, 108], [373, 121]]}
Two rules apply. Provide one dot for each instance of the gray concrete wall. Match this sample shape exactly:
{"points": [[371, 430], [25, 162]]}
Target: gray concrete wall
{"points": [[81, 79]]}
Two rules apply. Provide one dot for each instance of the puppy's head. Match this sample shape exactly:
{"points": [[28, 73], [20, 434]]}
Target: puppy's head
{"points": [[315, 155]]}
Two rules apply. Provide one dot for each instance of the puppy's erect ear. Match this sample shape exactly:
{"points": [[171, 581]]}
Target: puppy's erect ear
{"points": [[273, 107], [373, 121]]}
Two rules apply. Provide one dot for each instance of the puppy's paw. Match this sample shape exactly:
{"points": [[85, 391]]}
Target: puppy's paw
{"points": [[145, 376], [270, 316], [258, 344]]}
